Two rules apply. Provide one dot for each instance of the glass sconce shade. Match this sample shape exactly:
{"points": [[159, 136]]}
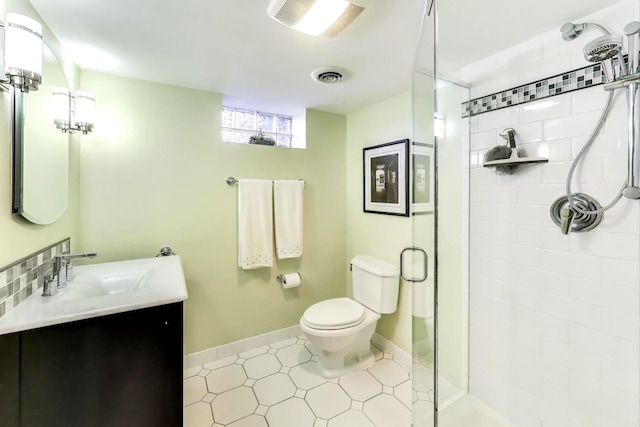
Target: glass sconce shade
{"points": [[23, 51], [61, 108], [85, 110]]}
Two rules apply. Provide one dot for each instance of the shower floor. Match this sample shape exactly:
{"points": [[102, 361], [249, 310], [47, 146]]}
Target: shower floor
{"points": [[278, 386], [470, 411]]}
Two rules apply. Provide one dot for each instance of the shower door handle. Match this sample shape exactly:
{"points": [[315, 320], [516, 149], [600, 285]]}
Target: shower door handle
{"points": [[426, 264]]}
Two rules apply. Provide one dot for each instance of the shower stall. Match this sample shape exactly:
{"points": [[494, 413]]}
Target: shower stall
{"points": [[530, 315]]}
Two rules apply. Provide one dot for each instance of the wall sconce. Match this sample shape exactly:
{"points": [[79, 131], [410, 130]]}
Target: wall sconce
{"points": [[84, 112], [22, 65]]}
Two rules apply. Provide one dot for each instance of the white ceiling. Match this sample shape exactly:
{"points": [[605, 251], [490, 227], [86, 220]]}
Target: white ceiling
{"points": [[233, 47]]}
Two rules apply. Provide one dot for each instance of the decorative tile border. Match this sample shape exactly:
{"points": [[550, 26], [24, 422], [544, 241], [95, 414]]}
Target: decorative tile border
{"points": [[589, 76], [22, 278]]}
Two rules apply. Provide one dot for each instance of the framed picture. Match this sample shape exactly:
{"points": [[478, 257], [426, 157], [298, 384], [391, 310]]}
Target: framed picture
{"points": [[423, 178], [386, 178]]}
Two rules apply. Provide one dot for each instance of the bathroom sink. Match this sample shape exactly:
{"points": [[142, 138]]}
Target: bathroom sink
{"points": [[102, 289]]}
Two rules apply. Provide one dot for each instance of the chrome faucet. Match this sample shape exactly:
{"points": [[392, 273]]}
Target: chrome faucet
{"points": [[62, 272]]}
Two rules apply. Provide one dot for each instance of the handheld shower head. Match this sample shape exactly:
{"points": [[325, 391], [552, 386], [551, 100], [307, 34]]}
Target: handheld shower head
{"points": [[603, 48]]}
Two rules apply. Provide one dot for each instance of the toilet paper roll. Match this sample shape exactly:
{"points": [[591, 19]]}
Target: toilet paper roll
{"points": [[290, 280]]}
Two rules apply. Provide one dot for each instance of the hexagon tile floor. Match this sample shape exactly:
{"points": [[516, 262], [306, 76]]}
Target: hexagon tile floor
{"points": [[278, 386]]}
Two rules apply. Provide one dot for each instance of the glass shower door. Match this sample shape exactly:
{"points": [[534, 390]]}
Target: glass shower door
{"points": [[440, 206]]}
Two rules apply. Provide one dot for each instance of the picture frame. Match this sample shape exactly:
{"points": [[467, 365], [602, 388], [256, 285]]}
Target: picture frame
{"points": [[386, 178], [423, 178]]}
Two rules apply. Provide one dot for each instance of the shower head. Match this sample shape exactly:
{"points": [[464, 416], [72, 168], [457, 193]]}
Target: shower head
{"points": [[571, 31], [603, 48]]}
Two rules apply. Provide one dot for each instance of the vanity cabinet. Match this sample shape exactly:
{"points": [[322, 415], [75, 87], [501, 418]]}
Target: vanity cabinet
{"points": [[112, 371]]}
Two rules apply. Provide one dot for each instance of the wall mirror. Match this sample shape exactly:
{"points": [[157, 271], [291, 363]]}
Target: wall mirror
{"points": [[40, 151]]}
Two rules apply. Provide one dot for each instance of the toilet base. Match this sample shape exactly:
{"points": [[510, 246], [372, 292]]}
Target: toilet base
{"points": [[350, 364]]}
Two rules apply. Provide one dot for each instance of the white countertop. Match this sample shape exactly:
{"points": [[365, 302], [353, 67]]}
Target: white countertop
{"points": [[102, 289]]}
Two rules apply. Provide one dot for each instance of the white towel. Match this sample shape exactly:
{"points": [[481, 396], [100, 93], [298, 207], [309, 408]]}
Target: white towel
{"points": [[255, 224], [287, 197]]}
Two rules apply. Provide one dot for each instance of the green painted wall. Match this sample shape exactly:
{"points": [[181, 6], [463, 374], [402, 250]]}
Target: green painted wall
{"points": [[382, 236], [153, 173], [19, 237]]}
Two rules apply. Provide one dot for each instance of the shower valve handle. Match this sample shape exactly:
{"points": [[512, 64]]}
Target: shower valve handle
{"points": [[566, 218]]}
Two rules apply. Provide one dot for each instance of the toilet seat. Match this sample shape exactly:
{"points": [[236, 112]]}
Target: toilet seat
{"points": [[335, 313]]}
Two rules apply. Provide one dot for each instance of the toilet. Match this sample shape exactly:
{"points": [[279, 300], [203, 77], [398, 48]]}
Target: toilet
{"points": [[341, 328]]}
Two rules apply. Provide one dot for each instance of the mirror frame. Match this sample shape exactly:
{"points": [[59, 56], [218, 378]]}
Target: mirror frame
{"points": [[17, 140]]}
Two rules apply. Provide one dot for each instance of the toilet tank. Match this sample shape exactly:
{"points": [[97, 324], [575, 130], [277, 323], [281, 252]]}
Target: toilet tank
{"points": [[375, 283]]}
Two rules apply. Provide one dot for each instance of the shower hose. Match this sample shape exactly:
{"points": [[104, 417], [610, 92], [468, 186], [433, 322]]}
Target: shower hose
{"points": [[581, 153]]}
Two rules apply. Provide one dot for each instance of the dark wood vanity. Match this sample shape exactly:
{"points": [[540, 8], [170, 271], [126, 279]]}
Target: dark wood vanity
{"points": [[117, 370]]}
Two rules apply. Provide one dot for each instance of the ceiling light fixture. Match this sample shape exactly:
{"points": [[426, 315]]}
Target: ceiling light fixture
{"points": [[22, 53], [314, 17]]}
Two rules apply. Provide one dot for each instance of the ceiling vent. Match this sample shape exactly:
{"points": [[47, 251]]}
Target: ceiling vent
{"points": [[329, 74], [314, 17]]}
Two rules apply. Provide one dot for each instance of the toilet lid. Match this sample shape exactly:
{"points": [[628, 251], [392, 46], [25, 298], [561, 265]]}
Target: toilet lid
{"points": [[336, 313]]}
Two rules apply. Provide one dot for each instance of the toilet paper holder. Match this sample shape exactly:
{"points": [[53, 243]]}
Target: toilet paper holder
{"points": [[280, 278]]}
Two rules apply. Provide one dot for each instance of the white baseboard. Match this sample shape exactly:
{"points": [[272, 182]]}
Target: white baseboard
{"points": [[402, 357], [220, 352], [216, 353]]}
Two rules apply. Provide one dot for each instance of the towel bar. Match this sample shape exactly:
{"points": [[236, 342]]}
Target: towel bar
{"points": [[232, 181]]}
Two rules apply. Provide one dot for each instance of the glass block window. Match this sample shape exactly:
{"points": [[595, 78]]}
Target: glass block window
{"points": [[239, 125]]}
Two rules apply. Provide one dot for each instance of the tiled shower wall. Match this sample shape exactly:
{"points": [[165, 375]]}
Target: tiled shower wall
{"points": [[554, 319], [24, 277]]}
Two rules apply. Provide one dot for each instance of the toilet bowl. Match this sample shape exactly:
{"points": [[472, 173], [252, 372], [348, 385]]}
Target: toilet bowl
{"points": [[341, 328]]}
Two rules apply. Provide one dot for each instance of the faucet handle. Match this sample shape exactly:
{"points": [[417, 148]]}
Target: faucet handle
{"points": [[566, 219], [50, 287]]}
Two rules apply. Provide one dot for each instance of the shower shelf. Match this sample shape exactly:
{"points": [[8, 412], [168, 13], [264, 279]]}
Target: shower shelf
{"points": [[507, 166], [514, 160]]}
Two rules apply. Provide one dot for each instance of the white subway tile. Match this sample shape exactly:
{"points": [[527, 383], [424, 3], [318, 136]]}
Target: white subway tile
{"points": [[621, 377], [556, 150], [589, 99], [572, 264], [498, 120], [615, 169], [524, 174], [569, 126], [555, 173], [621, 272], [526, 132], [556, 350], [558, 106], [572, 310], [610, 144], [620, 406], [483, 176], [539, 194], [609, 245], [484, 140], [484, 212], [504, 233], [519, 214], [498, 194], [621, 325], [543, 281]]}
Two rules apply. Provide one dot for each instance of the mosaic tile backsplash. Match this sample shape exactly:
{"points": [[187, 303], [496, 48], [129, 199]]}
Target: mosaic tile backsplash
{"points": [[21, 279], [591, 75]]}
